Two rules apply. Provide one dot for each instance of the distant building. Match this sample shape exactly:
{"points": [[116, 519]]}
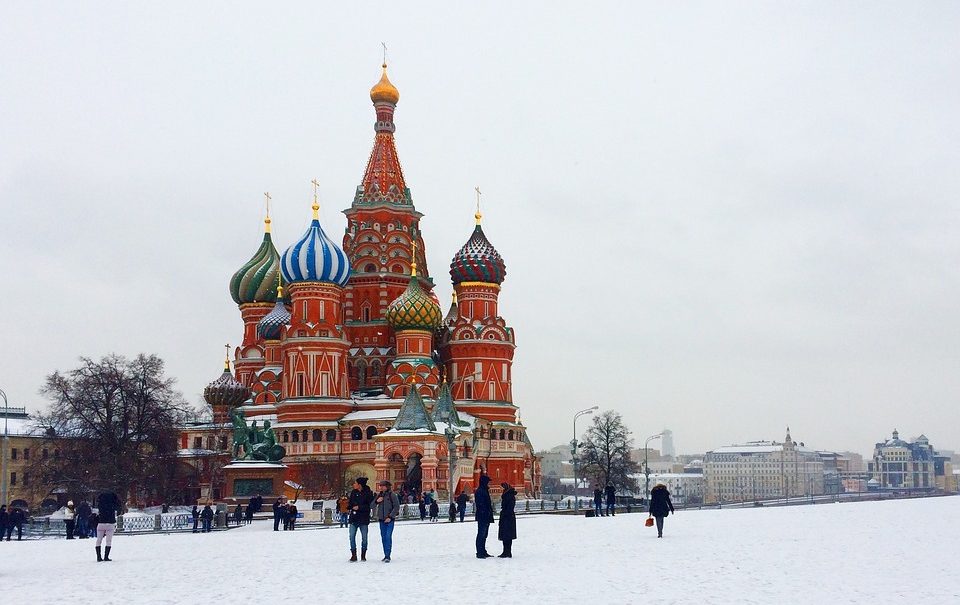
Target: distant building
{"points": [[760, 470], [685, 488], [666, 444], [26, 445], [902, 465]]}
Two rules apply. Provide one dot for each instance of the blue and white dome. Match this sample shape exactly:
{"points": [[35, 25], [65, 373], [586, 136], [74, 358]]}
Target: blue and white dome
{"points": [[314, 257]]}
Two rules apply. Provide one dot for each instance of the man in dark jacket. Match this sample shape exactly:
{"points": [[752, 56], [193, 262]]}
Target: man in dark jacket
{"points": [[483, 510], [83, 519], [507, 531], [291, 515], [361, 499], [277, 514], [660, 506], [387, 508], [611, 499], [15, 520], [598, 502], [206, 518], [195, 513], [462, 500], [108, 507]]}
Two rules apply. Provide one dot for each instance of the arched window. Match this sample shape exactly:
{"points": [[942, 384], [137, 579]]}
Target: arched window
{"points": [[296, 437], [286, 436], [356, 434], [375, 371], [304, 436], [510, 436], [331, 435], [371, 432], [370, 268], [493, 433], [362, 373], [501, 434], [397, 269], [317, 435]]}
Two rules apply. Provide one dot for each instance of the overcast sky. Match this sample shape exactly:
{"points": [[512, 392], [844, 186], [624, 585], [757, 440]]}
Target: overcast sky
{"points": [[719, 218]]}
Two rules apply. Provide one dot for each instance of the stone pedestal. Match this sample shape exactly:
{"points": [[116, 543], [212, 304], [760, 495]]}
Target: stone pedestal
{"points": [[247, 478]]}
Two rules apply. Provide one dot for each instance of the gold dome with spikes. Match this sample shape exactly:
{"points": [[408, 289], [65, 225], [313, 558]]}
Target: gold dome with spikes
{"points": [[384, 91]]}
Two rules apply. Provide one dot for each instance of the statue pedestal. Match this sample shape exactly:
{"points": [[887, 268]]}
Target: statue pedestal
{"points": [[247, 478]]}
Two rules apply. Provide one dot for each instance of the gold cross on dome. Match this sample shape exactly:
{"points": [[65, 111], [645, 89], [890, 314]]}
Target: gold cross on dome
{"points": [[316, 204], [384, 45], [478, 216], [226, 361]]}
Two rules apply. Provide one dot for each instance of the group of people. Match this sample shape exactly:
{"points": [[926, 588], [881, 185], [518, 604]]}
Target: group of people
{"points": [[611, 499], [203, 518], [285, 514], [14, 519]]}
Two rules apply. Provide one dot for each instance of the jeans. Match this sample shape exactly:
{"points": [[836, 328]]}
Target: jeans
{"points": [[363, 534], [343, 519], [206, 525], [659, 526], [82, 530], [598, 508], [463, 510], [276, 523], [196, 520], [386, 536], [610, 508], [483, 527]]}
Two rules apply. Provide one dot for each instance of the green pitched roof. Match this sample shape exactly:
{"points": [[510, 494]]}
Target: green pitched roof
{"points": [[413, 414]]}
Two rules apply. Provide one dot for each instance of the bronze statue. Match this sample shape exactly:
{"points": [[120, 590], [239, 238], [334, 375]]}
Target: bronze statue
{"points": [[252, 443]]}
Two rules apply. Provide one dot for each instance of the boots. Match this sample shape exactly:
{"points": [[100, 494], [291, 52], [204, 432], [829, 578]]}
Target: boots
{"points": [[106, 555], [363, 554], [99, 557], [507, 546], [353, 555]]}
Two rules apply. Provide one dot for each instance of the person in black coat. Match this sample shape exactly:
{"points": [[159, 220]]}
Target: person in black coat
{"points": [[660, 505], [462, 500], [83, 519], [483, 510], [611, 492], [507, 530], [278, 508], [598, 502], [4, 519], [15, 520], [360, 501], [248, 513], [195, 513], [291, 516], [206, 519]]}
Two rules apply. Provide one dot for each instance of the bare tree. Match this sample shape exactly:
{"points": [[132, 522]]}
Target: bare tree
{"points": [[606, 452], [322, 479], [115, 422]]}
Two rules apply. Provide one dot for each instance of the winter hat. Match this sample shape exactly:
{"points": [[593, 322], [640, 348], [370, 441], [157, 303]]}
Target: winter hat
{"points": [[385, 482], [69, 502], [362, 481]]}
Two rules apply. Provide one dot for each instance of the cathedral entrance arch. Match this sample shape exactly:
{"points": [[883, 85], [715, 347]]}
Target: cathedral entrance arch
{"points": [[414, 479], [360, 469]]}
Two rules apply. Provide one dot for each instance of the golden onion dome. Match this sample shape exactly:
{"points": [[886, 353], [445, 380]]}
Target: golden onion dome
{"points": [[384, 91]]}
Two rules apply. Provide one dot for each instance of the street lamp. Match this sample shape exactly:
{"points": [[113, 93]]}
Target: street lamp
{"points": [[6, 446], [576, 475], [646, 465]]}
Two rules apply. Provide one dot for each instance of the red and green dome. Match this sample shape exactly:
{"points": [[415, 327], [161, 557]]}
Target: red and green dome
{"points": [[478, 261], [414, 309]]}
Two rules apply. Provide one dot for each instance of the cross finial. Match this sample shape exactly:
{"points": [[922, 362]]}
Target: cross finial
{"points": [[226, 360], [316, 204], [279, 286], [478, 216], [413, 262], [384, 45], [266, 220]]}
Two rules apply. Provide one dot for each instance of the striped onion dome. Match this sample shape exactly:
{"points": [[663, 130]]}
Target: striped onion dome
{"points": [[414, 309], [271, 325], [225, 390], [256, 280], [478, 261], [314, 257]]}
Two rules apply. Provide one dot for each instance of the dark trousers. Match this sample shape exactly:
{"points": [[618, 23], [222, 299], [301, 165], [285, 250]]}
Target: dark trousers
{"points": [[82, 530], [598, 508], [196, 520], [10, 531], [659, 526], [276, 523], [206, 525], [463, 511], [483, 528], [70, 526], [610, 508]]}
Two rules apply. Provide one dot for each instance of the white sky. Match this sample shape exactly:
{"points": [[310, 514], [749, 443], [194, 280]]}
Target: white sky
{"points": [[721, 218]]}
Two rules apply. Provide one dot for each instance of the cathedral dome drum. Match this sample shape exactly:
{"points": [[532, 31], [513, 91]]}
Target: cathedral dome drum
{"points": [[478, 261], [314, 257], [225, 391]]}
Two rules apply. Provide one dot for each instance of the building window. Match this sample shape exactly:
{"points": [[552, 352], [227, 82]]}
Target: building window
{"points": [[510, 436], [317, 435], [56, 454], [26, 453], [13, 478], [304, 436], [356, 434], [286, 437], [468, 390], [44, 453], [370, 268], [371, 432], [296, 437], [493, 434], [13, 453], [198, 443], [501, 434], [331, 435]]}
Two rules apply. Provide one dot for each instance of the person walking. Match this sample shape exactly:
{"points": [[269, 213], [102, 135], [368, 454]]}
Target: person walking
{"points": [[660, 505], [206, 518], [434, 511], [462, 500], [361, 497], [248, 513], [611, 492], [343, 510], [83, 519], [422, 506], [597, 502], [15, 520], [387, 508], [69, 518], [483, 510], [238, 515], [277, 514], [4, 520], [507, 530], [108, 507], [292, 515]]}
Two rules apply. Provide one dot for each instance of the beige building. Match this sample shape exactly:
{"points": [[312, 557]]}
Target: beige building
{"points": [[19, 449], [760, 470], [902, 465]]}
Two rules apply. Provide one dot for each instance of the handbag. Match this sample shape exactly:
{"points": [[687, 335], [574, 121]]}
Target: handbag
{"points": [[648, 522]]}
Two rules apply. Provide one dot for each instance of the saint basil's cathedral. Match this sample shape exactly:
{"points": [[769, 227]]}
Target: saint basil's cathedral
{"points": [[349, 356]]}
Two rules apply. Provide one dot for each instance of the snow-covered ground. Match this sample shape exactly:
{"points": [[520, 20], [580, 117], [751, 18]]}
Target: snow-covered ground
{"points": [[890, 552]]}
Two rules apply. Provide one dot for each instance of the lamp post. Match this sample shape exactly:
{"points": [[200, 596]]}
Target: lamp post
{"points": [[6, 447], [451, 436], [574, 443], [646, 465]]}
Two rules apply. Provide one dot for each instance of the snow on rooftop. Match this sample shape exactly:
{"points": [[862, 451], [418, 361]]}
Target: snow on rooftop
{"points": [[387, 414]]}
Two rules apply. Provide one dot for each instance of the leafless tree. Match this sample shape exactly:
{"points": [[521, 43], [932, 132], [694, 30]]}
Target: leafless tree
{"points": [[606, 452]]}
